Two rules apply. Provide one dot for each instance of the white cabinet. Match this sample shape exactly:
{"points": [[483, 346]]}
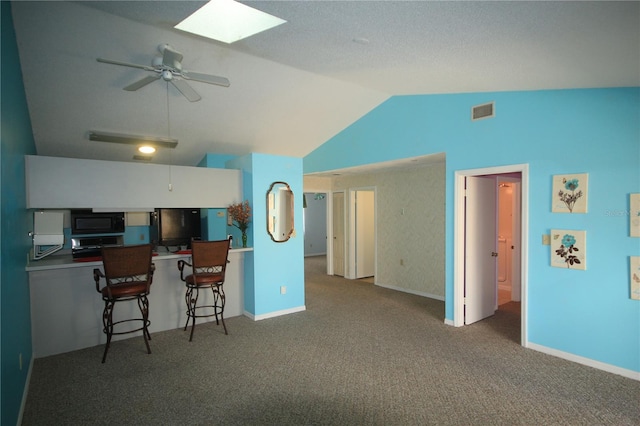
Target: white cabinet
{"points": [[54, 182]]}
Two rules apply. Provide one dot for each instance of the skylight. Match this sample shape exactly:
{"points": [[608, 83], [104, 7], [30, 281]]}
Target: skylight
{"points": [[228, 21]]}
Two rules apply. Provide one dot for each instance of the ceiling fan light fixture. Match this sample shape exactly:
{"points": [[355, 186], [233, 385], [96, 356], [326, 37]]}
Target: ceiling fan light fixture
{"points": [[133, 140], [228, 21]]}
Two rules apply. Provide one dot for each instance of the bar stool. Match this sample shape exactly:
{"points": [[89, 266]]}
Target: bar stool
{"points": [[128, 273], [209, 263]]}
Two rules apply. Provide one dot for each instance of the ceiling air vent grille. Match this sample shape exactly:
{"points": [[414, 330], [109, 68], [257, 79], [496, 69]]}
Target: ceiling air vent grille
{"points": [[142, 157], [479, 112]]}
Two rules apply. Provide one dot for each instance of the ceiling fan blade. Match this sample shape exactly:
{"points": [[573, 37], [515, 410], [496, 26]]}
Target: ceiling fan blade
{"points": [[206, 78], [186, 90], [141, 83], [171, 58], [125, 64]]}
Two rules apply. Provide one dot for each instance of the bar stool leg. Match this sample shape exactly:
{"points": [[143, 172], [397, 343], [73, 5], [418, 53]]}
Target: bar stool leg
{"points": [[194, 303], [107, 321], [143, 304]]}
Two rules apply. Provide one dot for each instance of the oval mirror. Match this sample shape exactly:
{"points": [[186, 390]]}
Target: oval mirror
{"points": [[279, 212]]}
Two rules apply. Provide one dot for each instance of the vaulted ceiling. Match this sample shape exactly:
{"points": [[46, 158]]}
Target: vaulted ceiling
{"points": [[297, 85]]}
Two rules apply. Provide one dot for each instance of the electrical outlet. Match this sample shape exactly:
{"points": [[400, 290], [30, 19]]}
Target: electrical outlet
{"points": [[283, 289]]}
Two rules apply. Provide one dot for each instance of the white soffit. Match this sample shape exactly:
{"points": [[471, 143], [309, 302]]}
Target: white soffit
{"points": [[228, 21]]}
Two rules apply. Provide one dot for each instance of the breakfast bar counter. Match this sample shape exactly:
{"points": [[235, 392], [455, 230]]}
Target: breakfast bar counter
{"points": [[66, 309]]}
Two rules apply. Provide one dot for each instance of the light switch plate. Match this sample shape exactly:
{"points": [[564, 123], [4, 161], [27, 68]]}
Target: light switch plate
{"points": [[546, 240]]}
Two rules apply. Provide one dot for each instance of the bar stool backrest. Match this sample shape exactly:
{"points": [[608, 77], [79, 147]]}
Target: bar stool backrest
{"points": [[210, 257], [126, 264]]}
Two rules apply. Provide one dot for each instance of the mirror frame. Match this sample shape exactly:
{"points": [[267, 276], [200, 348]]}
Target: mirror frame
{"points": [[291, 207]]}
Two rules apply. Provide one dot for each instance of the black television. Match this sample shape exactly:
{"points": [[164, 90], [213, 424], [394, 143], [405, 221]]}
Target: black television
{"points": [[175, 227]]}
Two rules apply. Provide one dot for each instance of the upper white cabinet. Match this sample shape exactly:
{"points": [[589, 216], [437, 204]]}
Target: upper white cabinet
{"points": [[54, 183]]}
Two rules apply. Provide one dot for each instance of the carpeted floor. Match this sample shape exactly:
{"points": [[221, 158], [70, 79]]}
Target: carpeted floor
{"points": [[359, 355]]}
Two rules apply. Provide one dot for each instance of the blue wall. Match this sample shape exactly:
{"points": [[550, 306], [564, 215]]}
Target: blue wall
{"points": [[595, 131], [272, 264], [17, 141]]}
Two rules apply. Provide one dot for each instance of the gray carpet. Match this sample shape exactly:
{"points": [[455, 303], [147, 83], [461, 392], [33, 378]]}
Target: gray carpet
{"points": [[359, 355]]}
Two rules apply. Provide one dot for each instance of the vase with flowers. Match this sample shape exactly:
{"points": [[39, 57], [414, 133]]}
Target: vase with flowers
{"points": [[240, 214]]}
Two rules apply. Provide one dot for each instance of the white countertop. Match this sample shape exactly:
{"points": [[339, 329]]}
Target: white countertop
{"points": [[65, 261]]}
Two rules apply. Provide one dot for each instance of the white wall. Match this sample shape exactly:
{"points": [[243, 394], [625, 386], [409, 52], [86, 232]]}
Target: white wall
{"points": [[411, 227]]}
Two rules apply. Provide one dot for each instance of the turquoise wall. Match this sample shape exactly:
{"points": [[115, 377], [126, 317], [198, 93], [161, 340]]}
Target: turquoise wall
{"points": [[595, 131], [16, 141], [272, 264], [244, 163]]}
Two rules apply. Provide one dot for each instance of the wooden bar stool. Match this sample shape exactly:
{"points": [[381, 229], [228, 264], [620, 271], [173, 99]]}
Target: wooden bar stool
{"points": [[128, 273], [209, 263]]}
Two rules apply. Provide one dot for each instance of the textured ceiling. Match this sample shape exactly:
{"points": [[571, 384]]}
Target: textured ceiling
{"points": [[297, 85]]}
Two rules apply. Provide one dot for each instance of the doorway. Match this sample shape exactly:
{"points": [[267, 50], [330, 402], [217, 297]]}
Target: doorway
{"points": [[464, 297], [508, 231], [362, 239]]}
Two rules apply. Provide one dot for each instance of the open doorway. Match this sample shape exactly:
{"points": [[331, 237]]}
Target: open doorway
{"points": [[315, 223], [508, 239], [362, 238], [476, 249]]}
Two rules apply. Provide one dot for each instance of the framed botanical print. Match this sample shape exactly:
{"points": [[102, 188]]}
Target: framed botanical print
{"points": [[635, 277], [569, 249], [570, 193], [634, 215]]}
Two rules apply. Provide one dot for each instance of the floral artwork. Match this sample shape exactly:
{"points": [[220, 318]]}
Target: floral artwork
{"points": [[635, 277], [569, 249], [570, 193], [634, 215]]}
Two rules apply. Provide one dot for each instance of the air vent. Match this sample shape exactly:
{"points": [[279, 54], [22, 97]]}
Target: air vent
{"points": [[142, 157], [479, 112]]}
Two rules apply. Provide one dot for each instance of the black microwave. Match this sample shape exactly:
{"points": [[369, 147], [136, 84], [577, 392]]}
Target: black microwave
{"points": [[89, 222]]}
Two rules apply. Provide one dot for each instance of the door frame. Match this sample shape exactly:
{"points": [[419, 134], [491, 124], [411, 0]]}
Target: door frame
{"points": [[458, 241]]}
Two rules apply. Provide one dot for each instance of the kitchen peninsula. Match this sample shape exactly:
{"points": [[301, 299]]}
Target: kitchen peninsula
{"points": [[66, 310]]}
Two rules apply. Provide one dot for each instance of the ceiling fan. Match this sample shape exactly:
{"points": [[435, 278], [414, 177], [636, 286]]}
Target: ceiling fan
{"points": [[168, 66]]}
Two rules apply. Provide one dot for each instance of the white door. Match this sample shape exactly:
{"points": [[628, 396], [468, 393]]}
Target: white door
{"points": [[365, 234], [338, 233], [480, 249]]}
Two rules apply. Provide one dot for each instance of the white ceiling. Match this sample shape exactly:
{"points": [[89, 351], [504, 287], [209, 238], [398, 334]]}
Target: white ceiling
{"points": [[297, 85]]}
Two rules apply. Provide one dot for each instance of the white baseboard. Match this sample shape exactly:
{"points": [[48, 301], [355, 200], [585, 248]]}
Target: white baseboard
{"points": [[635, 375], [449, 322], [275, 313], [417, 293]]}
